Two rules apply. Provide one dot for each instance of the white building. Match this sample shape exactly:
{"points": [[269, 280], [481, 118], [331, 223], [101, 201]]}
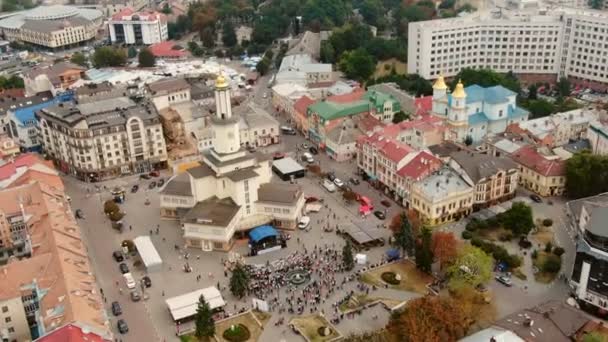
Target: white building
{"points": [[139, 28], [560, 42], [303, 69], [598, 137], [230, 192], [103, 139], [258, 128]]}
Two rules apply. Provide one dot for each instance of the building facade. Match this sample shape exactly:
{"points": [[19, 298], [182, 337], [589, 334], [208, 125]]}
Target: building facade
{"points": [[541, 174], [138, 28], [560, 128], [103, 139], [539, 43], [598, 137], [56, 78]]}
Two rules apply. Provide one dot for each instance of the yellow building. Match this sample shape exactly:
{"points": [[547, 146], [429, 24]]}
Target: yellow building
{"points": [[537, 173]]}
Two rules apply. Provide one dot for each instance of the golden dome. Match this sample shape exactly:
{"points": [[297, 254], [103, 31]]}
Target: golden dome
{"points": [[459, 91], [220, 81], [440, 83]]}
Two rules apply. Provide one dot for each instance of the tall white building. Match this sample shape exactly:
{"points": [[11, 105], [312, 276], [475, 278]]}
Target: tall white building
{"points": [[139, 28], [561, 42]]}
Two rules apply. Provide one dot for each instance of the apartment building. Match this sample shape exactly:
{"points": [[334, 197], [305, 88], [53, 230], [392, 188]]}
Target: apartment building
{"points": [[559, 129], [544, 175], [52, 27], [56, 78], [494, 179], [138, 28], [536, 43], [304, 68], [598, 137], [442, 197], [169, 91], [103, 139]]}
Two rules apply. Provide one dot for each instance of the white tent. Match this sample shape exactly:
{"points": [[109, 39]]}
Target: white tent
{"points": [[148, 253], [184, 306], [361, 259]]}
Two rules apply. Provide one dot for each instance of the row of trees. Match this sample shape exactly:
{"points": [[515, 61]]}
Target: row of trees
{"points": [[13, 81], [107, 56], [586, 175]]}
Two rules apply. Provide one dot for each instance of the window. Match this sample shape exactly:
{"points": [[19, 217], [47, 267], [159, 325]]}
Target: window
{"points": [[5, 309], [11, 330], [7, 319]]}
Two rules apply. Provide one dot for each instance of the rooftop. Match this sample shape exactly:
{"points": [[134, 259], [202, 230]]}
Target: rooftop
{"points": [[168, 49], [12, 103], [421, 165], [279, 193], [445, 149], [178, 186], [49, 15], [213, 212], [442, 184], [598, 213], [128, 13], [529, 157], [479, 166], [168, 85], [492, 95]]}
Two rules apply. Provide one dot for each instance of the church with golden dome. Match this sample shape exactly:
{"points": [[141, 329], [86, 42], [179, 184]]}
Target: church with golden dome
{"points": [[474, 112], [230, 192]]}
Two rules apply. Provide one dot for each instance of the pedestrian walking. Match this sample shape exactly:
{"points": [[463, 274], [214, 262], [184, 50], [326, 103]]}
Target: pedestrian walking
{"points": [[130, 227]]}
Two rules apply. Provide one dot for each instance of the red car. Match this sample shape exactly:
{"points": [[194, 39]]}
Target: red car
{"points": [[154, 173], [278, 155]]}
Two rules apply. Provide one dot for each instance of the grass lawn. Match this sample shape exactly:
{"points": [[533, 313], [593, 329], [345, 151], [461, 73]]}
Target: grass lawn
{"points": [[309, 326], [540, 276], [411, 278], [247, 320], [400, 67]]}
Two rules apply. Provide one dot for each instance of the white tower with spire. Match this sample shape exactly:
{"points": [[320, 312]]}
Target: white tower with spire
{"points": [[225, 126], [440, 99]]}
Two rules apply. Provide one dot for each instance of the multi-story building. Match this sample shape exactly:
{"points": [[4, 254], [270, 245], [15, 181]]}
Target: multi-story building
{"points": [[103, 139], [230, 191], [559, 129], [258, 128], [420, 132], [474, 112], [138, 28], [588, 218], [539, 44], [598, 137], [493, 178], [298, 117], [442, 197], [52, 27], [56, 78], [545, 175], [303, 67], [169, 91]]}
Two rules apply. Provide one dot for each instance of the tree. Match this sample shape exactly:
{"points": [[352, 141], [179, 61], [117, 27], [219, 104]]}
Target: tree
{"points": [[564, 87], [347, 256], [402, 234], [518, 219], [486, 78], [430, 318], [239, 281], [327, 54], [444, 247], [358, 64], [400, 116], [131, 52], [596, 4], [107, 56], [586, 175], [205, 326], [110, 207], [146, 58], [468, 140], [195, 49], [166, 9], [263, 66], [533, 92], [424, 252], [538, 108], [471, 268], [447, 4], [79, 58], [11, 82], [349, 195], [228, 34], [411, 83]]}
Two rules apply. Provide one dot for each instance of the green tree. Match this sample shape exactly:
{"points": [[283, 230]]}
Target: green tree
{"points": [[411, 83], [533, 92], [518, 219], [471, 268], [586, 175], [107, 56], [447, 4], [110, 207], [358, 64], [328, 55], [166, 9], [11, 82], [263, 66], [564, 87], [131, 52], [205, 326], [79, 58], [146, 58], [373, 12], [207, 37], [486, 78], [400, 116], [538, 108], [239, 281], [228, 34], [596, 4], [195, 49], [403, 236], [424, 252], [347, 256]]}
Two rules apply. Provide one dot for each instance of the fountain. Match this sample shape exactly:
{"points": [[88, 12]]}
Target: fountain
{"points": [[298, 277]]}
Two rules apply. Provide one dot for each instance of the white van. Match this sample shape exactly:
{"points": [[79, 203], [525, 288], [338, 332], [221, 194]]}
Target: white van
{"points": [[288, 130], [307, 157], [129, 280], [329, 185]]}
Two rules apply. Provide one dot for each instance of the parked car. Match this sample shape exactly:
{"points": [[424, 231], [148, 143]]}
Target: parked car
{"points": [[144, 176], [339, 183], [118, 256], [331, 176], [506, 281], [307, 157], [155, 174], [123, 268], [536, 198], [329, 185], [122, 326], [116, 309], [278, 155], [129, 280], [385, 203], [147, 281], [288, 130], [161, 182], [354, 181], [379, 214], [304, 146], [134, 188], [135, 296], [152, 185], [304, 222], [313, 150]]}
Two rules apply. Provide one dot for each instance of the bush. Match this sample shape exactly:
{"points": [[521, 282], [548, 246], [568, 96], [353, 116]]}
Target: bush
{"points": [[548, 247], [558, 251], [547, 222], [467, 235], [552, 264], [513, 261], [476, 241], [130, 245], [524, 243], [390, 278], [110, 207], [506, 236], [116, 216], [534, 254], [240, 333]]}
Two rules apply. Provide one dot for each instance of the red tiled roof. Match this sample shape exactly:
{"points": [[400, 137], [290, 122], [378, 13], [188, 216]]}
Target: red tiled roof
{"points": [[165, 49], [356, 95], [127, 11], [144, 15], [301, 105], [421, 165], [424, 105], [367, 123], [395, 151], [71, 333], [529, 157], [27, 159]]}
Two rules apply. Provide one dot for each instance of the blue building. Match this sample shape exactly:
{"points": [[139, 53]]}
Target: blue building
{"points": [[476, 111], [21, 118]]}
